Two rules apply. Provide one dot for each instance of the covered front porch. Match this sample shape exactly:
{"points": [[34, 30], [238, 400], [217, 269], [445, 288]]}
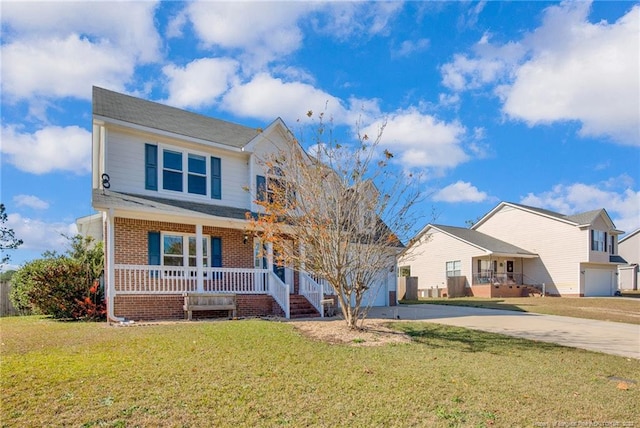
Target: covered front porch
{"points": [[260, 292], [501, 276]]}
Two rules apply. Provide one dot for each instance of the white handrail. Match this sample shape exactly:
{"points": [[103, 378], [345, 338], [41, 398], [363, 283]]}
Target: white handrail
{"points": [[145, 279], [280, 292], [312, 291]]}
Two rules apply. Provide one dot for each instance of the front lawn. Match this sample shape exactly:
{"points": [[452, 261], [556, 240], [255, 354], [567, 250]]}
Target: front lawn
{"points": [[596, 308], [264, 373]]}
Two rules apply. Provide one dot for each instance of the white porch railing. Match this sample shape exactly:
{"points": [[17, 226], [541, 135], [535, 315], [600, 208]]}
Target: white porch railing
{"points": [[145, 279], [312, 291], [280, 292]]}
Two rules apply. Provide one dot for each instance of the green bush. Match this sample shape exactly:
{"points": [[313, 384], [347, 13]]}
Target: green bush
{"points": [[63, 286]]}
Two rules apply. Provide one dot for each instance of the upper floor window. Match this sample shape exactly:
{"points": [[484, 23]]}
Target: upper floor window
{"points": [[172, 170], [454, 268], [598, 241], [181, 171]]}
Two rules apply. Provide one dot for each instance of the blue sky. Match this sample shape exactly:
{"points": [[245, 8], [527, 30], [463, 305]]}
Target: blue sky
{"points": [[527, 102]]}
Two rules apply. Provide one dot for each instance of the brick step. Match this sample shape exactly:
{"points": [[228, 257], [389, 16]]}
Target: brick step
{"points": [[299, 307]]}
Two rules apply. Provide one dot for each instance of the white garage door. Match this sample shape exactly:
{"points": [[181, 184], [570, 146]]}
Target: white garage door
{"points": [[598, 282]]}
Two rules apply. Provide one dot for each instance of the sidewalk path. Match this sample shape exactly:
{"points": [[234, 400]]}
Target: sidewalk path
{"points": [[601, 336]]}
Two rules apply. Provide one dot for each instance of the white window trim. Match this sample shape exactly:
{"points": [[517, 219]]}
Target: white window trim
{"points": [[454, 263], [185, 171], [185, 249]]}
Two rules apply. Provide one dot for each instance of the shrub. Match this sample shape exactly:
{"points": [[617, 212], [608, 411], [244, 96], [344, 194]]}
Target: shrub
{"points": [[63, 286]]}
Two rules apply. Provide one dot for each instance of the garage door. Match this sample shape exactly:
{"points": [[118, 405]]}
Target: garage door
{"points": [[598, 282]]}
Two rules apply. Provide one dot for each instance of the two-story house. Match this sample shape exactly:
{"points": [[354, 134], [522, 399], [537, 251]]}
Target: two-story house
{"points": [[174, 189], [515, 245]]}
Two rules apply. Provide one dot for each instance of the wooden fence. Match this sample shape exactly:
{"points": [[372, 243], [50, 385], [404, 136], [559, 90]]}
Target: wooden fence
{"points": [[6, 307]]}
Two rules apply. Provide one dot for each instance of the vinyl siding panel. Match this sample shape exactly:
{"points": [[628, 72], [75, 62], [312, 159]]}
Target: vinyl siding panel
{"points": [[428, 257], [561, 247], [125, 154], [629, 249]]}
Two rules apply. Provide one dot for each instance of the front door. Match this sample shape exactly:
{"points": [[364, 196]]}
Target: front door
{"points": [[279, 271], [510, 269]]}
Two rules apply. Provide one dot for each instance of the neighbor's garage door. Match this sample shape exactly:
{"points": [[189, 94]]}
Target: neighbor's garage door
{"points": [[598, 282]]}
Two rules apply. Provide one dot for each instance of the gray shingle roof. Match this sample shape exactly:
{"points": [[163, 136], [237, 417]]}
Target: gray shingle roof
{"points": [[110, 199], [483, 241], [153, 115], [580, 218]]}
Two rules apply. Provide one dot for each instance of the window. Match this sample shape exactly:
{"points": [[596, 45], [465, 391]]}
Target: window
{"points": [[196, 174], [197, 178], [180, 250], [275, 186], [598, 241], [454, 268], [172, 170], [259, 254]]}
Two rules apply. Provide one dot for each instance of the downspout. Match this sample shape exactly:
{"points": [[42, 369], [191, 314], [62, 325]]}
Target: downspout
{"points": [[111, 287]]}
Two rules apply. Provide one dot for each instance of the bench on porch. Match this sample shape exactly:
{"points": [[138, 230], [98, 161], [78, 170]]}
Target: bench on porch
{"points": [[209, 302]]}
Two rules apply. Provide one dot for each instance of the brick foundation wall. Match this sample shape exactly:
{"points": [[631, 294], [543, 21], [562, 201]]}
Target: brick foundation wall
{"points": [[169, 307], [497, 291]]}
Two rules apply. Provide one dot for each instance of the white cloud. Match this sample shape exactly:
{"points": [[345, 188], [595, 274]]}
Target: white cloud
{"points": [[592, 75], [201, 82], [568, 69], [263, 30], [39, 235], [409, 47], [460, 191], [266, 97], [421, 139], [62, 67], [48, 149], [623, 205], [31, 202], [353, 20], [58, 49]]}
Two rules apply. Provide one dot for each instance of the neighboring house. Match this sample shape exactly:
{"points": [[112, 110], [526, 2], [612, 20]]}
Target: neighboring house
{"points": [[91, 226], [174, 189], [629, 250], [516, 245]]}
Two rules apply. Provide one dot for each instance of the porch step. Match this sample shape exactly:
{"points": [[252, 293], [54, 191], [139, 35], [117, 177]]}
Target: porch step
{"points": [[299, 307]]}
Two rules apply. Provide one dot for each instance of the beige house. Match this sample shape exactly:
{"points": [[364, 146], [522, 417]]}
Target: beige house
{"points": [[516, 246], [629, 250]]}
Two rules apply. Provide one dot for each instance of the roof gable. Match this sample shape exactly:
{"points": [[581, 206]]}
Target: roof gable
{"points": [[581, 219], [125, 108]]}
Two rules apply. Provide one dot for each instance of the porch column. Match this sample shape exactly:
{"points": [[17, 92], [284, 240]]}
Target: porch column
{"points": [[110, 286], [199, 256]]}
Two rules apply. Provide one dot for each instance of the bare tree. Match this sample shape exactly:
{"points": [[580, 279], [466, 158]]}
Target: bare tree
{"points": [[346, 208]]}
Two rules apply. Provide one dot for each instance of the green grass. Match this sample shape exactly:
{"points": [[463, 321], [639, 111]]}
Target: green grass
{"points": [[603, 309], [261, 373]]}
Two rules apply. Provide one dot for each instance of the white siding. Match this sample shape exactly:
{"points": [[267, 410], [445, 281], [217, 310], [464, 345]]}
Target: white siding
{"points": [[126, 168], [561, 247], [629, 249], [428, 257]]}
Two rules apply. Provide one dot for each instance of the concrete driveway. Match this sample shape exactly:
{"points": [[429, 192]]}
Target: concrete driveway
{"points": [[601, 336]]}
